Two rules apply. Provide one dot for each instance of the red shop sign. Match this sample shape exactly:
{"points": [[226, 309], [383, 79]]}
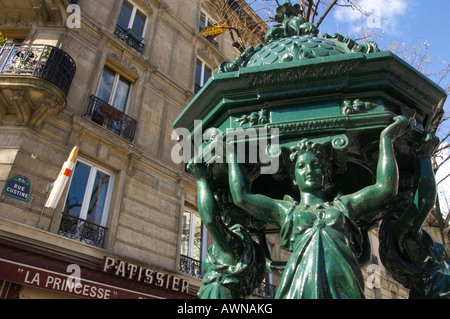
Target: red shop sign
{"points": [[64, 283]]}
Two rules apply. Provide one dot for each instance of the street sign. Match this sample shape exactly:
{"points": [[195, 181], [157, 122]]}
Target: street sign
{"points": [[18, 187]]}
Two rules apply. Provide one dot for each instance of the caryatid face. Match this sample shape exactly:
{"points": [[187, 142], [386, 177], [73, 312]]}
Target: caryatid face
{"points": [[309, 173]]}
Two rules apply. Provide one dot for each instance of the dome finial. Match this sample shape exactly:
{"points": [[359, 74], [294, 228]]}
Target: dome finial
{"points": [[290, 23]]}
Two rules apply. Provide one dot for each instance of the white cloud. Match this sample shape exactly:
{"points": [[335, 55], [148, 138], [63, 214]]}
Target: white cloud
{"points": [[380, 14]]}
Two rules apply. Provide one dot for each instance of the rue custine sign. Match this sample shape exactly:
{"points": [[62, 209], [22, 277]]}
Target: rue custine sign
{"points": [[145, 275], [18, 187]]}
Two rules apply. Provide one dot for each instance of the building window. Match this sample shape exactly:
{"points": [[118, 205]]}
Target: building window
{"points": [[87, 204], [114, 89], [131, 25], [108, 107], [132, 18], [192, 244], [202, 73], [206, 21], [191, 237]]}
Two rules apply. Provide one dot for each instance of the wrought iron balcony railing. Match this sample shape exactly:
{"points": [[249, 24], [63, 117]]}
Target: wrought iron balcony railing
{"points": [[43, 61], [265, 290], [82, 230], [111, 118], [130, 38], [191, 267]]}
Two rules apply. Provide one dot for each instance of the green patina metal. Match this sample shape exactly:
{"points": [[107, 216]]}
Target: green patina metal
{"points": [[359, 106]]}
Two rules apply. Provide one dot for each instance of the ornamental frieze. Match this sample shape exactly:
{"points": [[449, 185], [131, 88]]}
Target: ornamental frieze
{"points": [[310, 72]]}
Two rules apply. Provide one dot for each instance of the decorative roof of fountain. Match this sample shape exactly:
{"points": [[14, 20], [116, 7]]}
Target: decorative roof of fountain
{"points": [[294, 39]]}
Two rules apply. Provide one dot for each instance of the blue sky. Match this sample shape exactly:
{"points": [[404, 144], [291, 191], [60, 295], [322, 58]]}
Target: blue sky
{"points": [[411, 21]]}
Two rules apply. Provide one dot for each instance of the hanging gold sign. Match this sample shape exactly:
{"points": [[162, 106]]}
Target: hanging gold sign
{"points": [[215, 30]]}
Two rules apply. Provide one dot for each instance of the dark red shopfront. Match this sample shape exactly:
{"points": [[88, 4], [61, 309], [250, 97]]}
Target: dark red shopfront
{"points": [[22, 265]]}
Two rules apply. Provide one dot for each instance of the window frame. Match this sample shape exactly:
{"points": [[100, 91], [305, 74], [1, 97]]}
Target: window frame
{"points": [[202, 75], [208, 19], [94, 168], [191, 236], [133, 16], [112, 95]]}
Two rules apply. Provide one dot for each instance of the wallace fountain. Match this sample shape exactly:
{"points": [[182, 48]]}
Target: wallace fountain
{"points": [[321, 139]]}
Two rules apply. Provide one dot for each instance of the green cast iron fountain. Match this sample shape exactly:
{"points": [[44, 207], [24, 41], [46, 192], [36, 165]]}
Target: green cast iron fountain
{"points": [[317, 139]]}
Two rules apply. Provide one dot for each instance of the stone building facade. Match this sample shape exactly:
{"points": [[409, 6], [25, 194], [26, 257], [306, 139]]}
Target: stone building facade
{"points": [[108, 77]]}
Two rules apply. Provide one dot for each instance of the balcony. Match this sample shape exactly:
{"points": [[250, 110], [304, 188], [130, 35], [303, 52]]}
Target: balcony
{"points": [[191, 267], [111, 118], [130, 38], [265, 290], [34, 80], [42, 61], [82, 230]]}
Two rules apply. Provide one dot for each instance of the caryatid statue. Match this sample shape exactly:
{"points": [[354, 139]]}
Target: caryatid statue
{"points": [[344, 122]]}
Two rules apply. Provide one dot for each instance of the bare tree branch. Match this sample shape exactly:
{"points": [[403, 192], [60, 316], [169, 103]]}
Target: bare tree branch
{"points": [[326, 12], [443, 179], [310, 7]]}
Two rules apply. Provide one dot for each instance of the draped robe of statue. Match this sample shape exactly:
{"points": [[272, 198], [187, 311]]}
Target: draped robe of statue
{"points": [[323, 241]]}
